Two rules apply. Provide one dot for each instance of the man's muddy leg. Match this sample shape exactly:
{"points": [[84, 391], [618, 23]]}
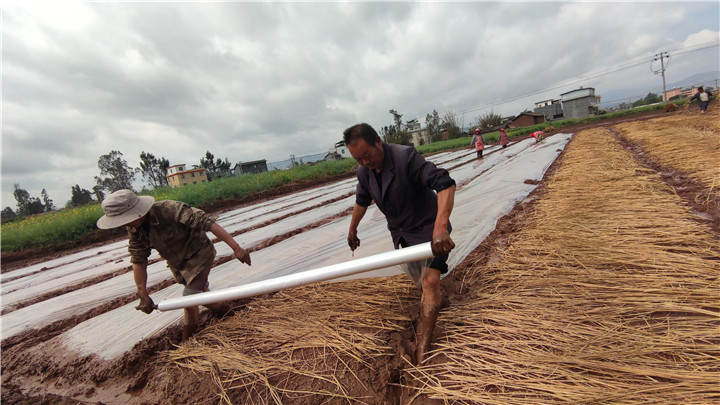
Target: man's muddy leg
{"points": [[192, 318], [218, 308], [429, 310]]}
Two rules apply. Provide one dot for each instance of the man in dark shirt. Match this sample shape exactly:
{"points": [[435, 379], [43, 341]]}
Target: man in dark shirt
{"points": [[403, 185], [703, 98]]}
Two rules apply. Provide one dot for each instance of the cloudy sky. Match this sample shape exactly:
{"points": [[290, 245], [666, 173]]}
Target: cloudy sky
{"points": [[250, 81]]}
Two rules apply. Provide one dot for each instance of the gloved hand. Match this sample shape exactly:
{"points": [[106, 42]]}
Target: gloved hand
{"points": [[353, 240], [442, 244], [146, 304]]}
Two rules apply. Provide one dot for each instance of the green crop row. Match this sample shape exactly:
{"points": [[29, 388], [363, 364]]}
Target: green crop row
{"points": [[72, 224]]}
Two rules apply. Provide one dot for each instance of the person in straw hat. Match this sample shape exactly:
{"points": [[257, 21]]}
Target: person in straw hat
{"points": [[178, 233]]}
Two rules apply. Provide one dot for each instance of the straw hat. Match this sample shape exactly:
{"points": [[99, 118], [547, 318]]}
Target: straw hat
{"points": [[123, 207]]}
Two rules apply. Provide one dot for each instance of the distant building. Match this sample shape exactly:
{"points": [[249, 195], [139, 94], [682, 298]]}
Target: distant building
{"points": [[551, 109], [688, 92], [526, 119], [178, 176], [337, 152], [418, 135], [580, 103], [254, 167], [672, 93]]}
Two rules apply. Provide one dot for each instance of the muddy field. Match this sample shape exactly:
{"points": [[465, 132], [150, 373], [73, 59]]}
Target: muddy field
{"points": [[604, 276]]}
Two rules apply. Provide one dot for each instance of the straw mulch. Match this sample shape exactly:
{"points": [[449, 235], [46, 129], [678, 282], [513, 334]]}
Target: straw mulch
{"points": [[689, 143], [609, 294], [326, 334]]}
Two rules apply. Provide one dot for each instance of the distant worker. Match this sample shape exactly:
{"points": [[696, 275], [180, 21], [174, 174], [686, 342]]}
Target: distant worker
{"points": [[538, 135], [403, 185], [703, 98], [504, 140], [178, 233], [479, 143]]}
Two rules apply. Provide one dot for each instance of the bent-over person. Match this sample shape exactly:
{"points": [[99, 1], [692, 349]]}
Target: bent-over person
{"points": [[179, 234]]}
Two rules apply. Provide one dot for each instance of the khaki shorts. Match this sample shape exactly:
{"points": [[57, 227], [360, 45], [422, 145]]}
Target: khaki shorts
{"points": [[414, 269]]}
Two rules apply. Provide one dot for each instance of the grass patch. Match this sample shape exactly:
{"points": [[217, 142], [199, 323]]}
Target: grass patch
{"points": [[50, 228], [71, 224]]}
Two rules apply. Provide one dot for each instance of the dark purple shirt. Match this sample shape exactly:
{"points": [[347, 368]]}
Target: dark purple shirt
{"points": [[406, 193]]}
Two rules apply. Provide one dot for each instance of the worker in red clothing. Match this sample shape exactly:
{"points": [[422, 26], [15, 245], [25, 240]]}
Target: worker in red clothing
{"points": [[538, 135], [504, 140], [479, 143]]}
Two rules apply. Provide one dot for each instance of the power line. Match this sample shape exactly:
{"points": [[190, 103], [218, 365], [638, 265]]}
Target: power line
{"points": [[626, 65]]}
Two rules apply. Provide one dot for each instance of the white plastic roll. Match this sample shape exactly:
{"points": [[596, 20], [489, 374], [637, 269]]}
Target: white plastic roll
{"points": [[379, 261]]}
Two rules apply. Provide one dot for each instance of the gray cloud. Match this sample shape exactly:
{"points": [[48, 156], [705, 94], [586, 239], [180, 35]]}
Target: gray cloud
{"points": [[253, 81]]}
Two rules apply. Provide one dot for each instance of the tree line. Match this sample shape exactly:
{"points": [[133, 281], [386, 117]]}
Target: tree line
{"points": [[401, 132], [115, 174]]}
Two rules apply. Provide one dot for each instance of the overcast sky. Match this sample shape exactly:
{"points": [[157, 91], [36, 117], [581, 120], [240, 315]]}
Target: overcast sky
{"points": [[250, 81]]}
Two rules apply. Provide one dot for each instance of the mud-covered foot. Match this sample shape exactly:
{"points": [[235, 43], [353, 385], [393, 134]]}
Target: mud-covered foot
{"points": [[187, 331], [423, 347], [223, 310], [424, 333]]}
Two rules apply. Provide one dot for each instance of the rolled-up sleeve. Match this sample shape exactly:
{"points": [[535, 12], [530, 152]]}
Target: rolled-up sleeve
{"points": [[139, 251], [443, 182]]}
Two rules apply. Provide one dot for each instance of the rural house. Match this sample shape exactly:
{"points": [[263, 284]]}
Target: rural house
{"points": [[418, 135], [580, 103], [178, 176], [337, 152], [551, 109], [254, 167], [526, 119]]}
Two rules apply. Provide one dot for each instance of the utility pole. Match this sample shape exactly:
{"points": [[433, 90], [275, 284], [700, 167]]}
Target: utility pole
{"points": [[662, 57]]}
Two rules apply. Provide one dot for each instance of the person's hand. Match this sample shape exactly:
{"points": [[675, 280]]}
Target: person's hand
{"points": [[353, 240], [242, 255], [146, 304], [442, 244]]}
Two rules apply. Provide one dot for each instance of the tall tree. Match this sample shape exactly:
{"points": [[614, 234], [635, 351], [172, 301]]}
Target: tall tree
{"points": [[154, 169], [398, 120], [215, 168], [7, 213], [208, 162], [432, 125], [399, 134], [47, 202], [451, 124], [26, 205], [223, 167], [79, 197], [489, 120], [98, 192], [116, 172]]}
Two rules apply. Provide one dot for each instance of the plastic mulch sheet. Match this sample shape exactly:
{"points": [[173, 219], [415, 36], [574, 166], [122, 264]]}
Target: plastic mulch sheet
{"points": [[488, 189]]}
